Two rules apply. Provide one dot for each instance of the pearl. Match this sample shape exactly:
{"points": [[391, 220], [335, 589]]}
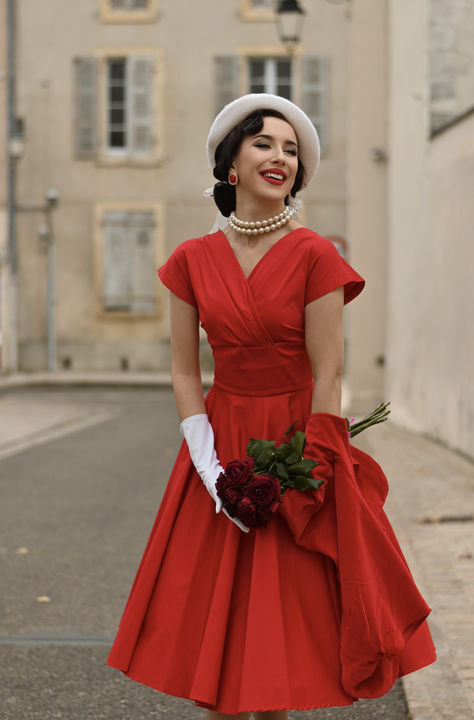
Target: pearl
{"points": [[254, 231], [258, 224], [272, 227], [278, 224], [252, 224]]}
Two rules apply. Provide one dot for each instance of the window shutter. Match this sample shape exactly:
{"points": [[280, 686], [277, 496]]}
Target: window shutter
{"points": [[141, 104], [85, 135], [226, 76], [142, 244], [314, 92], [116, 262]]}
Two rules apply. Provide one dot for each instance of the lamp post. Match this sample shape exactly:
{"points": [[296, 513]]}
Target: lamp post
{"points": [[289, 23], [52, 199]]}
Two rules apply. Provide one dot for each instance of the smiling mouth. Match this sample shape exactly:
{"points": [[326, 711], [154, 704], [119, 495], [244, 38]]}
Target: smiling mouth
{"points": [[274, 177]]}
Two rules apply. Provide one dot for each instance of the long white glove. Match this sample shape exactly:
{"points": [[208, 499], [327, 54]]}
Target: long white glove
{"points": [[199, 436]]}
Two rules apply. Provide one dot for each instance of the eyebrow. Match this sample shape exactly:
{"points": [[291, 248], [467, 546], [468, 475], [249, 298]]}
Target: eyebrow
{"points": [[270, 137]]}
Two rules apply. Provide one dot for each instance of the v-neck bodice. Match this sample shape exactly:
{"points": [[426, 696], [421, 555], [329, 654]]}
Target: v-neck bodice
{"points": [[262, 258], [267, 306]]}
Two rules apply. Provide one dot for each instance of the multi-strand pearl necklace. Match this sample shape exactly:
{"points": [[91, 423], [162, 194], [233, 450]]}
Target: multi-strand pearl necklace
{"points": [[258, 227]]}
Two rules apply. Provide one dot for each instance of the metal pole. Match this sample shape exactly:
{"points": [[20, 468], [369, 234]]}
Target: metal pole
{"points": [[11, 195], [51, 294]]}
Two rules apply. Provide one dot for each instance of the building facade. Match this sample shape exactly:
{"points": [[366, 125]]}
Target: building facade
{"points": [[117, 98]]}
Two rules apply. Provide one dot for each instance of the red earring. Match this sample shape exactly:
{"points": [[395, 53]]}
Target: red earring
{"points": [[233, 179]]}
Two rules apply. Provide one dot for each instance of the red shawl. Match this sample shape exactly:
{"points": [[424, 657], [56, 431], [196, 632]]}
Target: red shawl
{"points": [[384, 633]]}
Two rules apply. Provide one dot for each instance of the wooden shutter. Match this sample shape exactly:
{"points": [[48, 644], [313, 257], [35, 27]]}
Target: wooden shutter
{"points": [[141, 104], [314, 92], [116, 287], [143, 278], [85, 120], [226, 77]]}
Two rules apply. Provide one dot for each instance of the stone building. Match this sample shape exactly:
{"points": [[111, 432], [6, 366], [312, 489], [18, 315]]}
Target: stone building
{"points": [[117, 98]]}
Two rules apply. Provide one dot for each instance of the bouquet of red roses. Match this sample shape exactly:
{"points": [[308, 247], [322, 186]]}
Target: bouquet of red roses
{"points": [[252, 489]]}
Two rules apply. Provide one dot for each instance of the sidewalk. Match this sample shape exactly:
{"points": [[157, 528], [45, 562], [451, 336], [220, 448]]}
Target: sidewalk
{"points": [[430, 505]]}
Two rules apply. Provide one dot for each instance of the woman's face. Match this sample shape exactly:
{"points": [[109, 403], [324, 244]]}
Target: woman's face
{"points": [[266, 163]]}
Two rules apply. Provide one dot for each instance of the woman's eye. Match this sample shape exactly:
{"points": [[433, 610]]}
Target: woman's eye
{"points": [[264, 145], [292, 152]]}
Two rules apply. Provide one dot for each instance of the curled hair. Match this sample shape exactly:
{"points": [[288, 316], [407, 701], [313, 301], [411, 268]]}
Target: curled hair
{"points": [[224, 194]]}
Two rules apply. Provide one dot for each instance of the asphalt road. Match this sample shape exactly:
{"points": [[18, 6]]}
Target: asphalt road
{"points": [[75, 514]]}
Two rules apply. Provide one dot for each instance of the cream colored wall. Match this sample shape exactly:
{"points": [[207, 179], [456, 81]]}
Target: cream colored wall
{"points": [[430, 346], [188, 35], [367, 199]]}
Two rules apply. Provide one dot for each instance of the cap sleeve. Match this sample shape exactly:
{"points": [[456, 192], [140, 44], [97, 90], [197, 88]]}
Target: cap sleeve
{"points": [[175, 275], [327, 271]]}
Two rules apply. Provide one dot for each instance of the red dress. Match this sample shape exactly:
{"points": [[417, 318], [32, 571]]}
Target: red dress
{"points": [[260, 621]]}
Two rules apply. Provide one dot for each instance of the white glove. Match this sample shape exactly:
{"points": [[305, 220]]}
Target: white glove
{"points": [[199, 436]]}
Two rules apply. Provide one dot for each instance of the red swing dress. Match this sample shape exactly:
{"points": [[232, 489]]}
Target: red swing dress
{"points": [[240, 622]]}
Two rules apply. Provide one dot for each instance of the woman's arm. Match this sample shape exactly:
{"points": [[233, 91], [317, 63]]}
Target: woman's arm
{"points": [[324, 337], [185, 367]]}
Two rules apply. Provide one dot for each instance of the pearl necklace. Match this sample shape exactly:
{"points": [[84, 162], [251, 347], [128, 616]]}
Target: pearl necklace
{"points": [[258, 227]]}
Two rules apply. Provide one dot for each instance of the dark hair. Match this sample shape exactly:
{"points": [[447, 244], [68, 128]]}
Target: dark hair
{"points": [[224, 194]]}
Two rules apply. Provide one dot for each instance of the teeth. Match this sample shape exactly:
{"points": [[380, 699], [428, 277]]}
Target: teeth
{"points": [[274, 176]]}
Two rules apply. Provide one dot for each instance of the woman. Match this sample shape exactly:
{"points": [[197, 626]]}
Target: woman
{"points": [[270, 619]]}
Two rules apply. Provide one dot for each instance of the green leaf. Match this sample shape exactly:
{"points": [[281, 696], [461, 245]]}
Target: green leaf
{"points": [[283, 451], [315, 484], [291, 427], [255, 447], [282, 471], [301, 482], [297, 442], [293, 458], [264, 458], [302, 467]]}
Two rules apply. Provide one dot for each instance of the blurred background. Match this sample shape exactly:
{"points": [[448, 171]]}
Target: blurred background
{"points": [[107, 106]]}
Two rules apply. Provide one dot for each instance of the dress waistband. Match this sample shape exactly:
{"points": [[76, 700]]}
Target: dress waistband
{"points": [[266, 370]]}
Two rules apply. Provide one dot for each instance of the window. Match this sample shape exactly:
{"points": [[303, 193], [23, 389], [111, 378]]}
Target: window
{"points": [[257, 10], [127, 261], [129, 106], [451, 66], [262, 4], [270, 75], [128, 11], [118, 111], [129, 4]]}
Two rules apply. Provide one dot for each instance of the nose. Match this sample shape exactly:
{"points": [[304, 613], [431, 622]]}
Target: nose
{"points": [[279, 155]]}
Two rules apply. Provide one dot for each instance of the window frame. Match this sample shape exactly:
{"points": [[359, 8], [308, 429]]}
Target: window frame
{"points": [[100, 210], [110, 157], [109, 15], [248, 13]]}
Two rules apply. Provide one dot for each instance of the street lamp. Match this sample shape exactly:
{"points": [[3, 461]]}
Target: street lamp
{"points": [[289, 23]]}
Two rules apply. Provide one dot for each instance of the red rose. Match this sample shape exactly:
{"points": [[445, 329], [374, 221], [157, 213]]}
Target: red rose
{"points": [[249, 514], [239, 471], [264, 491]]}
